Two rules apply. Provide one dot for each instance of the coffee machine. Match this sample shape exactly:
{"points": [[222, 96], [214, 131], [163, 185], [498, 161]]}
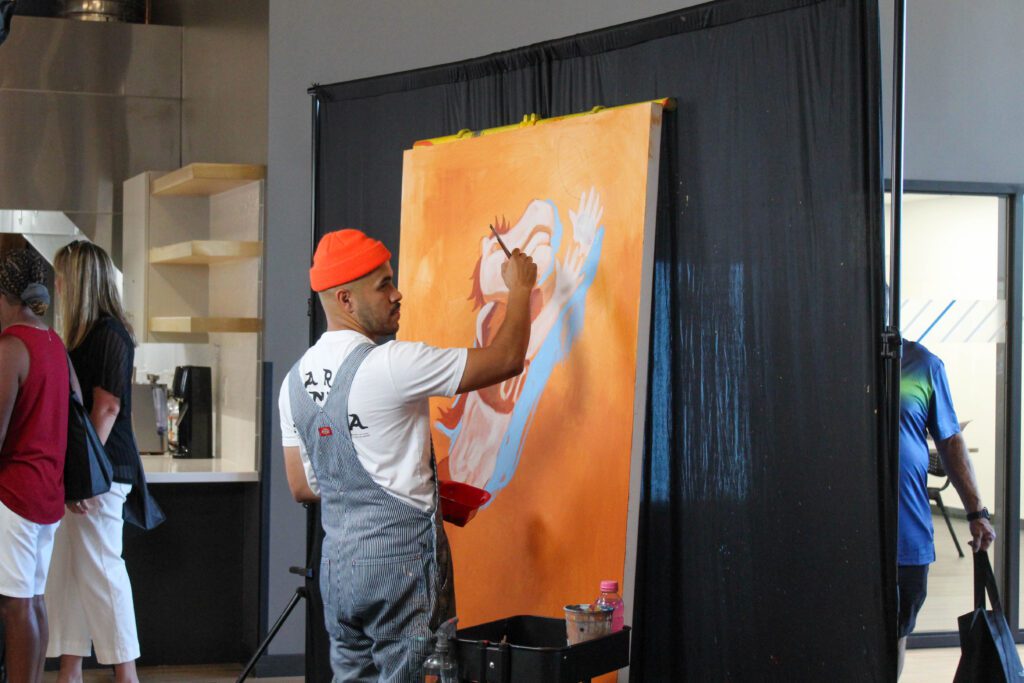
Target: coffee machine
{"points": [[149, 416], [192, 388]]}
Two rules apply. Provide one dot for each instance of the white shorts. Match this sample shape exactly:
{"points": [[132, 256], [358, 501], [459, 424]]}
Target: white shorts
{"points": [[25, 549]]}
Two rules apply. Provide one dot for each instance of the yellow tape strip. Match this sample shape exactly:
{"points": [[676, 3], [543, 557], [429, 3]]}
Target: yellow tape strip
{"points": [[667, 103]]}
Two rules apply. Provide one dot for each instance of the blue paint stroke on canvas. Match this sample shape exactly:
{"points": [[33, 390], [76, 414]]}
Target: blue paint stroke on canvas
{"points": [[487, 429]]}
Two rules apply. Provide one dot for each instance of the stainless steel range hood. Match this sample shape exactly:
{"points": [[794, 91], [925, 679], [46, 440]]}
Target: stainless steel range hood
{"points": [[46, 231], [83, 106]]}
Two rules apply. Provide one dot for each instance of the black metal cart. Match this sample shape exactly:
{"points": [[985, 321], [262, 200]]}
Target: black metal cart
{"points": [[533, 649]]}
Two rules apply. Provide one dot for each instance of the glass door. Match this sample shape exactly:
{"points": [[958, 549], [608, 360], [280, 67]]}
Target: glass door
{"points": [[954, 302]]}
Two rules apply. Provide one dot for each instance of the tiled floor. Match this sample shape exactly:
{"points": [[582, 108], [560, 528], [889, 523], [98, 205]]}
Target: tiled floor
{"points": [[226, 673], [922, 666], [933, 665]]}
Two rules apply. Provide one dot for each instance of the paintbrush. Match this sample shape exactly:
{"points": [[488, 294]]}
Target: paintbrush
{"points": [[508, 254]]}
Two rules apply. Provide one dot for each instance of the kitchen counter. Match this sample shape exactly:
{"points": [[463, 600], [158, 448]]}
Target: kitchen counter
{"points": [[164, 469]]}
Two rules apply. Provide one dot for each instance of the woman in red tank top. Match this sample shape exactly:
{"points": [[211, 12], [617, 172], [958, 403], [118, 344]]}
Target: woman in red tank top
{"points": [[34, 386]]}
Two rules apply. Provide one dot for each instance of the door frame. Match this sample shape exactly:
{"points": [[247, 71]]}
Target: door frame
{"points": [[1008, 468]]}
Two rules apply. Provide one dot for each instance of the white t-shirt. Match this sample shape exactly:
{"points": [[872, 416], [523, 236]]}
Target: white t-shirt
{"points": [[389, 415]]}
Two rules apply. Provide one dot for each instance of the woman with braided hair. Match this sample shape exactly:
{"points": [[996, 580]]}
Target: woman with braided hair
{"points": [[34, 387]]}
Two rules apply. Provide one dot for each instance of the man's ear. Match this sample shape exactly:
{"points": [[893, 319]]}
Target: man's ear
{"points": [[345, 299]]}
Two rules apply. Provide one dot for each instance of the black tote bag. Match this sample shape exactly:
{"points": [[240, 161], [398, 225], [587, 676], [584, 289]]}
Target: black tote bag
{"points": [[987, 650], [87, 469], [141, 509]]}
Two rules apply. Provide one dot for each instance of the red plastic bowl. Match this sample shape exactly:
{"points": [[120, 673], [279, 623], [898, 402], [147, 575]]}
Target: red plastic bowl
{"points": [[460, 502]]}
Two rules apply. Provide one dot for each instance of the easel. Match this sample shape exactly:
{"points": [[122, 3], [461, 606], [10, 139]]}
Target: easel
{"points": [[315, 630], [303, 592]]}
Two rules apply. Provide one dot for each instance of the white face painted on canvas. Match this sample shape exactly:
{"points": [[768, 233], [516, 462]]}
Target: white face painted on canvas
{"points": [[531, 234], [483, 451]]}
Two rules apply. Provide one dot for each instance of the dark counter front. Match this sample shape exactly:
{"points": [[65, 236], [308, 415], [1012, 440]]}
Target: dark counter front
{"points": [[196, 577]]}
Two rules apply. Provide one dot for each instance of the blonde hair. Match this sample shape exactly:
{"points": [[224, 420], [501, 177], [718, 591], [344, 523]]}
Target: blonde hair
{"points": [[89, 291]]}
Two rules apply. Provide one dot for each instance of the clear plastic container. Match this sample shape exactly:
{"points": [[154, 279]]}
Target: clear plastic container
{"points": [[441, 666], [610, 598], [586, 622]]}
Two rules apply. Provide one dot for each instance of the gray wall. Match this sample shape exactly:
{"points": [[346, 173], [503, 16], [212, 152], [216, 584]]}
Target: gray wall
{"points": [[964, 92], [223, 78], [965, 89]]}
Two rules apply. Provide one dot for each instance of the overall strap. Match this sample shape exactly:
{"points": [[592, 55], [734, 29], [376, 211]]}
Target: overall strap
{"points": [[312, 420], [341, 383], [296, 390], [342, 378]]}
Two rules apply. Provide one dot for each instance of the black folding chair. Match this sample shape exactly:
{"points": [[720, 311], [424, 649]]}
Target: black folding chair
{"points": [[936, 469]]}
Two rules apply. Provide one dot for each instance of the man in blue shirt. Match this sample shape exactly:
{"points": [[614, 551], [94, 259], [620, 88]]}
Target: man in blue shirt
{"points": [[927, 407]]}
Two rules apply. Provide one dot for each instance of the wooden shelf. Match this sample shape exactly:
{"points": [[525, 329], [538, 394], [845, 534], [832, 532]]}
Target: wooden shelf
{"points": [[207, 179], [198, 252], [194, 325]]}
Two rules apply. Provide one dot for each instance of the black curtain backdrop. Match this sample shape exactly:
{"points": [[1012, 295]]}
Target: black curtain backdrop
{"points": [[767, 537]]}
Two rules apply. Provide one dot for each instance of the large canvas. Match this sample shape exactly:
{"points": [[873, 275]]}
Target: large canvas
{"points": [[559, 446]]}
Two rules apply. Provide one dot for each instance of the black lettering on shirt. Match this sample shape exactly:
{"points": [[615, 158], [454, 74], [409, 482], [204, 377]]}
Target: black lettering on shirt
{"points": [[310, 381], [354, 421], [328, 376]]}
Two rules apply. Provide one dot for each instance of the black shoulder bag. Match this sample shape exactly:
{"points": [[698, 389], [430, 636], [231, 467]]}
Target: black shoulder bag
{"points": [[87, 469], [987, 650]]}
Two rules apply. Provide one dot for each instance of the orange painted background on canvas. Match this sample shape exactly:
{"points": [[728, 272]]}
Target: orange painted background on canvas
{"points": [[559, 526]]}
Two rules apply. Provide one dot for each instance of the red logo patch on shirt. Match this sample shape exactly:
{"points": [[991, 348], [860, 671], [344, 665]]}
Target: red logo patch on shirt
{"points": [[325, 431]]}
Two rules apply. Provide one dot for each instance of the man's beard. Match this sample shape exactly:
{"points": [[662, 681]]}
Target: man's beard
{"points": [[380, 326]]}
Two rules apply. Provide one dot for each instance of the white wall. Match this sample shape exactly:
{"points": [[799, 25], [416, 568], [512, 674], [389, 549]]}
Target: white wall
{"points": [[964, 98]]}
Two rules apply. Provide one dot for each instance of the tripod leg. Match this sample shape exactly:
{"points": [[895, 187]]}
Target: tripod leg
{"points": [[300, 593]]}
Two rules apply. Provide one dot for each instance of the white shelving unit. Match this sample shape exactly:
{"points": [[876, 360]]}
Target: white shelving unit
{"points": [[205, 252], [192, 266]]}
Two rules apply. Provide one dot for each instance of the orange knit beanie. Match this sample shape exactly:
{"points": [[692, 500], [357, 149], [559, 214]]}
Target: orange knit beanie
{"points": [[343, 256]]}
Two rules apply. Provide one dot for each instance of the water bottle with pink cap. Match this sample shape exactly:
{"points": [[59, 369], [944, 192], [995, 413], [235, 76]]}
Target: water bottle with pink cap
{"points": [[610, 598]]}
